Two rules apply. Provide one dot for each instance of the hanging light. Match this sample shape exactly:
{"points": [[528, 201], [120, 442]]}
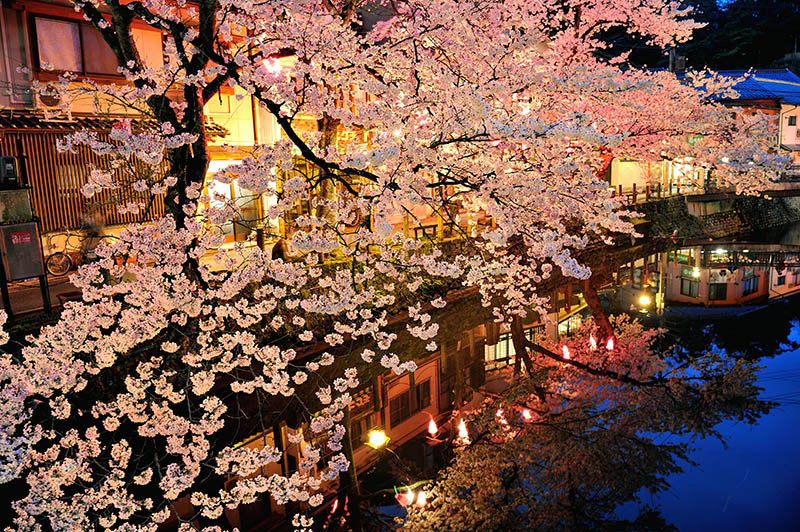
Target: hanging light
{"points": [[610, 343], [565, 352], [592, 342], [526, 415]]}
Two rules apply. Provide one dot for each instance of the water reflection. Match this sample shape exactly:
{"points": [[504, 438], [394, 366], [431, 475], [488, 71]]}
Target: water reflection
{"points": [[599, 439]]}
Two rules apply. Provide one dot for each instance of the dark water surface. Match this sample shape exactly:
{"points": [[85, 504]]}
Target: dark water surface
{"points": [[753, 482]]}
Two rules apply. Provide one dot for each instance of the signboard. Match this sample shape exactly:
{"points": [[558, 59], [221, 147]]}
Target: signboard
{"points": [[718, 276], [21, 237], [21, 250], [694, 139]]}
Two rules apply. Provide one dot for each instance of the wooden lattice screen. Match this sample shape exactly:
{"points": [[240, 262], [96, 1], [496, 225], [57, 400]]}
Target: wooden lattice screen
{"points": [[56, 180]]}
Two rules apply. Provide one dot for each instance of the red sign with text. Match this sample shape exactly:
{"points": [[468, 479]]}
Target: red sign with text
{"points": [[21, 237]]}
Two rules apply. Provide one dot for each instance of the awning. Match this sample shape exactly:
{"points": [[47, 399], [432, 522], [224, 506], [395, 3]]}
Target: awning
{"points": [[791, 147], [31, 121]]}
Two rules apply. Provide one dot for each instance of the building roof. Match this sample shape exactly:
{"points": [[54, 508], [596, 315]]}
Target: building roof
{"points": [[781, 84], [31, 121]]}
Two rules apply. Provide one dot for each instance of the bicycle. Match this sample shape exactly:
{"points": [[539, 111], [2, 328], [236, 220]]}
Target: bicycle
{"points": [[61, 262]]}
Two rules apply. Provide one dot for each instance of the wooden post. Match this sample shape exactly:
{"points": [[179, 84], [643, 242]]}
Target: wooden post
{"points": [[4, 293], [647, 193], [659, 191], [633, 197]]}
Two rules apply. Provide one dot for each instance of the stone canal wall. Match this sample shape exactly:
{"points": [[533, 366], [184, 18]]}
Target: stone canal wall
{"points": [[741, 215]]}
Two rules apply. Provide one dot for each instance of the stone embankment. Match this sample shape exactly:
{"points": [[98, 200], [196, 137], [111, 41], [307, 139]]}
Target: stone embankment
{"points": [[741, 215]]}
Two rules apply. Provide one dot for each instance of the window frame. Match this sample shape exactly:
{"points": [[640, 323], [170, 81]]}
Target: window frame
{"points": [[396, 421], [750, 285], [428, 398], [792, 120], [714, 288], [36, 59], [694, 287]]}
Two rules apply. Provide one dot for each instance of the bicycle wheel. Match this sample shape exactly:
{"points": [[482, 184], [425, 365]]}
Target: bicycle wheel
{"points": [[58, 263]]}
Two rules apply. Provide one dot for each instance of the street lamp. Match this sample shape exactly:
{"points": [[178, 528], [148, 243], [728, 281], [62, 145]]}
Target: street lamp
{"points": [[377, 438]]}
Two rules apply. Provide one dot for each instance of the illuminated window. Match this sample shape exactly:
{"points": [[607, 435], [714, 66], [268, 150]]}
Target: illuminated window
{"points": [[78, 47], [749, 286], [690, 288]]}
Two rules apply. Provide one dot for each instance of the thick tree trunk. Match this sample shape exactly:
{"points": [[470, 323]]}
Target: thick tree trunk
{"points": [[327, 188], [605, 330]]}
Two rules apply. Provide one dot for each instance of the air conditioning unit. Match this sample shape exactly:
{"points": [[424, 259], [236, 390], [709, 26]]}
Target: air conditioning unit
{"points": [[9, 172]]}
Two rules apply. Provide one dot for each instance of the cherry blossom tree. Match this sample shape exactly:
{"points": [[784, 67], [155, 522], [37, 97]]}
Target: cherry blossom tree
{"points": [[494, 116], [584, 432]]}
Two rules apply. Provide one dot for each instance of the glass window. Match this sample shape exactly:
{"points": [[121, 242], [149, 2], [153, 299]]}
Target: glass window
{"points": [[749, 286], [717, 291], [97, 54], [73, 46], [359, 429], [59, 45], [781, 280], [793, 120], [424, 394], [399, 408], [690, 288]]}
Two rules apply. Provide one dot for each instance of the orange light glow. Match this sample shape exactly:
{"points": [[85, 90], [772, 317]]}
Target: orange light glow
{"points": [[565, 351], [272, 65], [501, 418], [463, 434], [592, 342], [526, 415], [422, 498], [610, 344], [432, 428]]}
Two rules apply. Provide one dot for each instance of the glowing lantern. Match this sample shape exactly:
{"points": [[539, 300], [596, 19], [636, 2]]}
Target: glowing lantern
{"points": [[334, 506], [526, 415], [272, 65], [377, 438], [592, 342], [463, 434], [422, 498], [565, 351], [405, 499], [432, 428], [610, 343], [501, 418]]}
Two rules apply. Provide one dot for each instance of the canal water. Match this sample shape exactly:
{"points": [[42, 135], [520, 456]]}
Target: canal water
{"points": [[751, 482]]}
